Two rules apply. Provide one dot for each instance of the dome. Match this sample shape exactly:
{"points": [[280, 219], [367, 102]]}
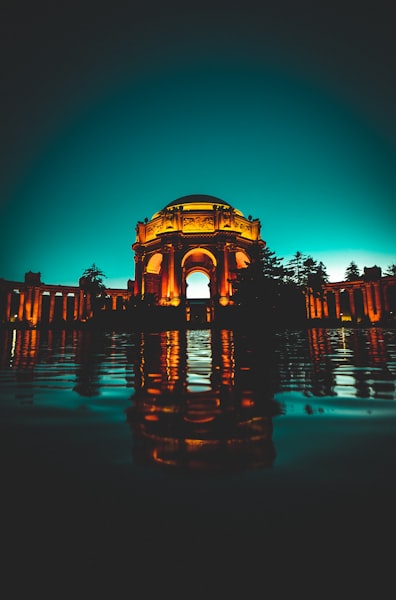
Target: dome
{"points": [[198, 202]]}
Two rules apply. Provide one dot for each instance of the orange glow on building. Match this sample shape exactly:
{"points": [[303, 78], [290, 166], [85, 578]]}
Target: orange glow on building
{"points": [[195, 233]]}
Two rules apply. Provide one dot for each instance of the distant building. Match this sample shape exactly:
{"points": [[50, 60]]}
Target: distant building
{"points": [[371, 299]]}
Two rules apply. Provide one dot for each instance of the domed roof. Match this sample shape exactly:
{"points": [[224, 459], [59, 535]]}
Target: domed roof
{"points": [[198, 202], [198, 199]]}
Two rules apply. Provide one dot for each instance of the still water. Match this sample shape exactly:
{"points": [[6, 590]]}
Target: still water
{"points": [[205, 441]]}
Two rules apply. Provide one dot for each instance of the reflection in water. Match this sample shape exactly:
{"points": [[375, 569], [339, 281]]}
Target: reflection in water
{"points": [[201, 399], [189, 412]]}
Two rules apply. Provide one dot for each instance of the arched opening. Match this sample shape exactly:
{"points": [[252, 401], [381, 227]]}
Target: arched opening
{"points": [[197, 285]]}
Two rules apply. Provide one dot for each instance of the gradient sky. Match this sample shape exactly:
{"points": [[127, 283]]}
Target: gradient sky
{"points": [[112, 110]]}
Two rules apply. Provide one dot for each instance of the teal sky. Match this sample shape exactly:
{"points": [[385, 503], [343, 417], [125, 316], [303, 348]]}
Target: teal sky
{"points": [[109, 116]]}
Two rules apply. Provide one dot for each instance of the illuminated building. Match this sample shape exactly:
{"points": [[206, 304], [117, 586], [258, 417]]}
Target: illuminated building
{"points": [[195, 233], [370, 300], [33, 302]]}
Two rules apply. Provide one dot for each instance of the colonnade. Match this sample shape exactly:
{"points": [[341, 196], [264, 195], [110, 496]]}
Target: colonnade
{"points": [[355, 301], [40, 303]]}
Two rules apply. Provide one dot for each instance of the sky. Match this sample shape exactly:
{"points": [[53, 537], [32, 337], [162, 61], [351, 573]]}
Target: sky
{"points": [[110, 110]]}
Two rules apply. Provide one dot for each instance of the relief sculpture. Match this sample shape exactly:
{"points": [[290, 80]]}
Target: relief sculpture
{"points": [[198, 223]]}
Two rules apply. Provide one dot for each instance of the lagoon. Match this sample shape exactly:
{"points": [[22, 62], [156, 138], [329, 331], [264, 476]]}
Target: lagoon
{"points": [[192, 451]]}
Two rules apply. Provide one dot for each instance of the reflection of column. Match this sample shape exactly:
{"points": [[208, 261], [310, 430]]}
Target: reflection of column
{"points": [[21, 307], [52, 306]]}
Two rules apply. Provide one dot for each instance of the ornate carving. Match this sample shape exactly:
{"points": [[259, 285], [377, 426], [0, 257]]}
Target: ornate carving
{"points": [[198, 223]]}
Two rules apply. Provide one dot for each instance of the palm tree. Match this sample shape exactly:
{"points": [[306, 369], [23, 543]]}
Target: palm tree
{"points": [[91, 282]]}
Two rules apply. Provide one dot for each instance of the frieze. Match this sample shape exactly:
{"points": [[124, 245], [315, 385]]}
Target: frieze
{"points": [[198, 223]]}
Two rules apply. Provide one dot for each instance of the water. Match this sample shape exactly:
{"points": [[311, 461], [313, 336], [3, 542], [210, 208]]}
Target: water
{"points": [[205, 445]]}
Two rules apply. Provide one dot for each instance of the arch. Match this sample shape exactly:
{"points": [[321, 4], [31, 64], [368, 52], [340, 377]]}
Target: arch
{"points": [[197, 284], [195, 252], [242, 259], [154, 263]]}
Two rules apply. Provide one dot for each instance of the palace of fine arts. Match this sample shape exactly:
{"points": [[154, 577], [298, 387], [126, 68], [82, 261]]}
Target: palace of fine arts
{"points": [[244, 281]]}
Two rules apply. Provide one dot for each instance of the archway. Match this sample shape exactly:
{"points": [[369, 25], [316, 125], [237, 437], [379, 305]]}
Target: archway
{"points": [[197, 285]]}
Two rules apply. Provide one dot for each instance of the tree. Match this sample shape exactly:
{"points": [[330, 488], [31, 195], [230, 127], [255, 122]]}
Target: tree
{"points": [[352, 272], [91, 282], [295, 265], [316, 275], [273, 267], [391, 270]]}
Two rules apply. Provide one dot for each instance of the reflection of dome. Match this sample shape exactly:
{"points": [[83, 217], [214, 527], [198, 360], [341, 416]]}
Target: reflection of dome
{"points": [[207, 432], [199, 202]]}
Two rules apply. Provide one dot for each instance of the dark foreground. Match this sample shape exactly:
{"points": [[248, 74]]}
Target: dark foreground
{"points": [[83, 513]]}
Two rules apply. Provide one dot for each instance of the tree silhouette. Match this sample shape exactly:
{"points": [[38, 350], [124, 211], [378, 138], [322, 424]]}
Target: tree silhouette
{"points": [[295, 265], [91, 282], [391, 270], [352, 272]]}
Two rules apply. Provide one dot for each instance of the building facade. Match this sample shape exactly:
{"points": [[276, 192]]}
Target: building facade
{"points": [[371, 299], [195, 233], [32, 302]]}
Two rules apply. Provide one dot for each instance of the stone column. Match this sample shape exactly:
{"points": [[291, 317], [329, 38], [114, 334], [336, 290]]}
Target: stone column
{"points": [[337, 303], [378, 302], [7, 315], [51, 307], [365, 307], [325, 307], [164, 276], [223, 274], [28, 304], [75, 306], [21, 308], [138, 285], [171, 271], [36, 316], [308, 303], [64, 306], [81, 305], [370, 307], [352, 303]]}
